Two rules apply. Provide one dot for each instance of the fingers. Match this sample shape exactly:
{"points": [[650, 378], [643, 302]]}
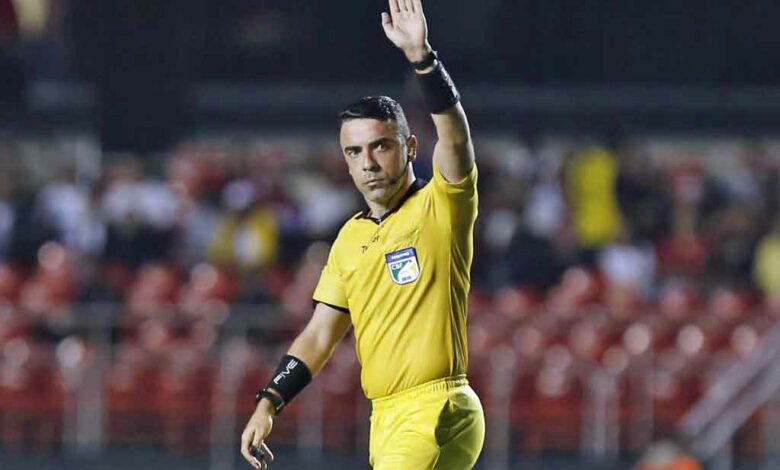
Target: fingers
{"points": [[395, 7], [269, 456], [246, 441], [407, 6], [254, 450], [387, 21], [260, 458], [417, 6]]}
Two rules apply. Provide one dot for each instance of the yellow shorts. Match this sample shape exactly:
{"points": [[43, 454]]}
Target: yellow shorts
{"points": [[438, 425]]}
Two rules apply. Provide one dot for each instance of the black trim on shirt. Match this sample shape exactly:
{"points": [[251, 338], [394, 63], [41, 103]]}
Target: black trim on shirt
{"points": [[416, 185], [336, 307]]}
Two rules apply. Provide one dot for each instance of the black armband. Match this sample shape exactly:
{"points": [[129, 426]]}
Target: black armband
{"points": [[290, 378], [438, 90]]}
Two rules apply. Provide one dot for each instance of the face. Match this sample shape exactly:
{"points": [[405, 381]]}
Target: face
{"points": [[377, 156]]}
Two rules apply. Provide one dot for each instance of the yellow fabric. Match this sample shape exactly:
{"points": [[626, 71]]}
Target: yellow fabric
{"points": [[413, 333], [249, 243], [766, 269], [439, 425], [590, 183]]}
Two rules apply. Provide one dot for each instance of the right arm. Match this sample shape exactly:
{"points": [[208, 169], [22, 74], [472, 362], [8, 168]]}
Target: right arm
{"points": [[314, 346]]}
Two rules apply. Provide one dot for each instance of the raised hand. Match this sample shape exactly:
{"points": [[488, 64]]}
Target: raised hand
{"points": [[406, 28]]}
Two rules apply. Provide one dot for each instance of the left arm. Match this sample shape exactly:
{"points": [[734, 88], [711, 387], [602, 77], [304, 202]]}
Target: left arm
{"points": [[406, 27]]}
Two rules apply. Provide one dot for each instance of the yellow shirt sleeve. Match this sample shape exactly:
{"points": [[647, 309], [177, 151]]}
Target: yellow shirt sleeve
{"points": [[330, 288], [456, 201]]}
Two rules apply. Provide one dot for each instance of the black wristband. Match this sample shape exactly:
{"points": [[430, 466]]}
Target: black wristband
{"points": [[438, 90], [290, 378], [427, 61], [275, 400]]}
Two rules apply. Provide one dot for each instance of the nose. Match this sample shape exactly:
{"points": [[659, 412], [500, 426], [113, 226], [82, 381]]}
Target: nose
{"points": [[368, 162]]}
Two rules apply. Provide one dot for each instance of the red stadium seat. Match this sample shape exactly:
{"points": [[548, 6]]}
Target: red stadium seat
{"points": [[155, 288], [33, 395], [208, 292], [186, 398], [132, 391], [514, 303], [673, 394], [11, 280], [677, 302], [343, 406], [727, 304], [547, 405]]}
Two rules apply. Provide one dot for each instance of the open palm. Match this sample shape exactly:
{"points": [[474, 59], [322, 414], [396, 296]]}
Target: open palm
{"points": [[405, 26]]}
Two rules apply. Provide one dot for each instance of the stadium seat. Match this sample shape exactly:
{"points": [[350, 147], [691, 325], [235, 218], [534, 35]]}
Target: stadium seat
{"points": [[33, 395], [208, 286], [11, 280], [186, 395], [153, 291], [728, 304], [674, 390], [132, 395], [677, 302], [547, 405], [342, 402]]}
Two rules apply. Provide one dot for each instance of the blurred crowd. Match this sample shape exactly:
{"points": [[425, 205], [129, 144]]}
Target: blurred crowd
{"points": [[638, 215]]}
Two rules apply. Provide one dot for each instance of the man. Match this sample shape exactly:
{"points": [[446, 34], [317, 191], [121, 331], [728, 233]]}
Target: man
{"points": [[399, 273]]}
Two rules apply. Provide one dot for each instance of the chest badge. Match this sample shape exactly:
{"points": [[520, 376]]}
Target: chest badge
{"points": [[403, 266]]}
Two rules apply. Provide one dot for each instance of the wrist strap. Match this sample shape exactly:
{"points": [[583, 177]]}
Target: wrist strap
{"points": [[276, 402], [427, 61], [438, 90], [290, 378]]}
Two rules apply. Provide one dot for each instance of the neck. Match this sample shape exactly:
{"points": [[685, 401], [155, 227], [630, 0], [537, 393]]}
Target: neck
{"points": [[380, 208]]}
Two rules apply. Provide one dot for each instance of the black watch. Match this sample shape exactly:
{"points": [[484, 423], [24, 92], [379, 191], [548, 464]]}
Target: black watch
{"points": [[275, 400], [429, 60]]}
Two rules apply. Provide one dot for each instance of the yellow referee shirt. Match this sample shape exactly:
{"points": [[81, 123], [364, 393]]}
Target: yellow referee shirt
{"points": [[404, 280]]}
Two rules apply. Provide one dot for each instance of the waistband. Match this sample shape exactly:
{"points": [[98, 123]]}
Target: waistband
{"points": [[439, 385]]}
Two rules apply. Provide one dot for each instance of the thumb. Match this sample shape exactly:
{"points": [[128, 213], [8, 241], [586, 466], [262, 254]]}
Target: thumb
{"points": [[387, 22]]}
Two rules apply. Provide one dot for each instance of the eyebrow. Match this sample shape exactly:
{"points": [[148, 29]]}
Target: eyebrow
{"points": [[381, 140]]}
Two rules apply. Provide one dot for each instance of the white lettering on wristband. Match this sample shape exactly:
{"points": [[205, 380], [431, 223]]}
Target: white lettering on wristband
{"points": [[290, 366]]}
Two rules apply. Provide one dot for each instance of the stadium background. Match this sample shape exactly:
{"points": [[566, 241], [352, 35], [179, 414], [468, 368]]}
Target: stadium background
{"points": [[170, 178]]}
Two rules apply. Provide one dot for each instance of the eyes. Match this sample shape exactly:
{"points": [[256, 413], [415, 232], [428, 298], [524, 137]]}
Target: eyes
{"points": [[378, 147]]}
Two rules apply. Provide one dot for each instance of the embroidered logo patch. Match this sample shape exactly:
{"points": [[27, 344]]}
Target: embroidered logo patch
{"points": [[403, 265]]}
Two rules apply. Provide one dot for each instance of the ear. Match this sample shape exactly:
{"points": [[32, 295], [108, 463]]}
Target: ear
{"points": [[411, 148]]}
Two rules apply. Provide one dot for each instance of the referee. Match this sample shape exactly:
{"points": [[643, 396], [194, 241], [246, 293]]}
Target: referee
{"points": [[398, 272]]}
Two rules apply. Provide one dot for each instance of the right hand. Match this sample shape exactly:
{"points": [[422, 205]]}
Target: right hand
{"points": [[405, 27], [256, 431]]}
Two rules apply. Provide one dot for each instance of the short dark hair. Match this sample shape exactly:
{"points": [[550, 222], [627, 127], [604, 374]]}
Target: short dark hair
{"points": [[381, 108]]}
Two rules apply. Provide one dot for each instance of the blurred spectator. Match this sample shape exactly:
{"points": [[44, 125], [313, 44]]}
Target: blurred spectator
{"points": [[642, 194], [591, 176], [297, 296], [628, 267], [735, 233], [247, 236], [30, 231], [545, 210], [140, 213], [325, 196], [73, 213], [766, 265], [256, 206], [7, 214], [684, 251]]}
